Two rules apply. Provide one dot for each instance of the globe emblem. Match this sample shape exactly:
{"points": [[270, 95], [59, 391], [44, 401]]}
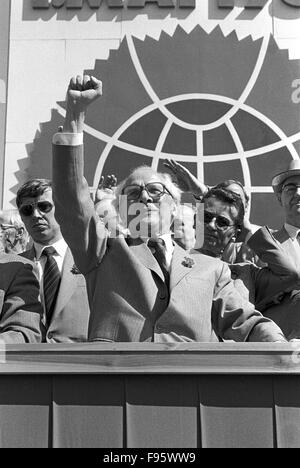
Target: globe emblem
{"points": [[219, 105]]}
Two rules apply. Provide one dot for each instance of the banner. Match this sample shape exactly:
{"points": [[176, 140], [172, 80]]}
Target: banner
{"points": [[214, 84]]}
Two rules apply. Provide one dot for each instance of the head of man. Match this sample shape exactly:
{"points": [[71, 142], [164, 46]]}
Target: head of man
{"points": [[147, 202], [223, 215], [14, 237], [289, 198], [35, 205]]}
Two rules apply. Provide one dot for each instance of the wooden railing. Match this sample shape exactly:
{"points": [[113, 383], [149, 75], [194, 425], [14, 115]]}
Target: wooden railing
{"points": [[150, 395]]}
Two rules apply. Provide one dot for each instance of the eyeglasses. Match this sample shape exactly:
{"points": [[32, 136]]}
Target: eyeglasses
{"points": [[42, 206], [5, 227], [155, 191], [290, 188], [221, 222]]}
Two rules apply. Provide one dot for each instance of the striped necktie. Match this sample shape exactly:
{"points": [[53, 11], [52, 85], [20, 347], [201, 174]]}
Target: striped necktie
{"points": [[51, 281], [158, 250]]}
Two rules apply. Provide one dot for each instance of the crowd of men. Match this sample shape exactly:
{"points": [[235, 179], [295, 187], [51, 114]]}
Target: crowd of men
{"points": [[135, 264]]}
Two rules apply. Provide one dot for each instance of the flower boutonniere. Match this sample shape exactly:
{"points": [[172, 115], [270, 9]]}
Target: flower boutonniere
{"points": [[188, 262], [75, 270]]}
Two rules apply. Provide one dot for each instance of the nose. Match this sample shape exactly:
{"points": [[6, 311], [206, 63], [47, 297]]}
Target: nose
{"points": [[145, 197], [36, 212], [212, 224]]}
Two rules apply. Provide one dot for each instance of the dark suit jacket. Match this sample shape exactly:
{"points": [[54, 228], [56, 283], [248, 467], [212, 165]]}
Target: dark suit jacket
{"points": [[127, 292], [71, 313], [286, 313], [265, 286], [21, 311]]}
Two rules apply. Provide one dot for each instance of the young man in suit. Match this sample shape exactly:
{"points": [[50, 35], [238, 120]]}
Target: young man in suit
{"points": [[142, 288], [63, 288]]}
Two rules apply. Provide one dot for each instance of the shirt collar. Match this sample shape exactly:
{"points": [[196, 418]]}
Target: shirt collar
{"points": [[60, 247], [292, 231]]}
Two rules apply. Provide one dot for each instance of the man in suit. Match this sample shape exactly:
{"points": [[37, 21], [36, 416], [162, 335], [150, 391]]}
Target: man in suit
{"points": [[20, 308], [142, 288], [63, 288], [286, 186]]}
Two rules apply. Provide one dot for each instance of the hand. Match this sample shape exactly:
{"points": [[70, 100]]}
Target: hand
{"points": [[106, 187], [82, 91], [185, 179]]}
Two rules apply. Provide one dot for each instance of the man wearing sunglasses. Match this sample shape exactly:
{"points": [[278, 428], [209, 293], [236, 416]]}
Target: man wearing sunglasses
{"points": [[63, 289], [223, 218], [286, 186], [143, 287]]}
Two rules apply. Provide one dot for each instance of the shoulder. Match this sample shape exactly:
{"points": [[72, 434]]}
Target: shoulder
{"points": [[12, 265], [206, 262], [28, 254], [14, 259]]}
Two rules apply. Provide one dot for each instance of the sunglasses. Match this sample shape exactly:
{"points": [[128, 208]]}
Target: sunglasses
{"points": [[155, 191], [221, 222], [42, 206], [290, 188]]}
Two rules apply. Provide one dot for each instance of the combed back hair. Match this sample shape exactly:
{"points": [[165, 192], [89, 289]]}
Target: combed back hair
{"points": [[11, 217], [32, 188], [229, 182], [162, 177], [233, 199]]}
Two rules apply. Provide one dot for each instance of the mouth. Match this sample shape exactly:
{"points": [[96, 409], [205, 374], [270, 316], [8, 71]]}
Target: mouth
{"points": [[40, 226]]}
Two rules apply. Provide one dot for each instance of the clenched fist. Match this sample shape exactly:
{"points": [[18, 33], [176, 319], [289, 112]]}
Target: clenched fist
{"points": [[82, 91]]}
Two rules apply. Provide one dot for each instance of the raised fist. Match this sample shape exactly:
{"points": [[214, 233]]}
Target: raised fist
{"points": [[82, 91]]}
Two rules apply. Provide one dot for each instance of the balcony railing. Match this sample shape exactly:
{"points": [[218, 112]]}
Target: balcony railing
{"points": [[134, 395]]}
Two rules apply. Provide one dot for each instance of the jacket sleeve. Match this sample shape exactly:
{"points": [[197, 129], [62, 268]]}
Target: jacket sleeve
{"points": [[280, 275], [21, 311], [74, 209], [233, 318]]}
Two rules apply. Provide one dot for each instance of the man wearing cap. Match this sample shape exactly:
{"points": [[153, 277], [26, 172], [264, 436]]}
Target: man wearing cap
{"points": [[286, 186]]}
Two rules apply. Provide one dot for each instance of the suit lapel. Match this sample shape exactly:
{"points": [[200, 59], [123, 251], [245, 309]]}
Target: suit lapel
{"points": [[293, 250], [179, 266], [67, 286], [144, 255]]}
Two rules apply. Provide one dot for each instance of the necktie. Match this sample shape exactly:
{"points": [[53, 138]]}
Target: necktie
{"points": [[158, 250], [51, 282]]}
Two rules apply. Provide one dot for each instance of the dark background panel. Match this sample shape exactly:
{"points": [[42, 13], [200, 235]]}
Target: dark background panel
{"points": [[162, 412], [236, 411], [217, 172], [88, 412], [180, 141], [287, 410], [25, 411], [266, 210]]}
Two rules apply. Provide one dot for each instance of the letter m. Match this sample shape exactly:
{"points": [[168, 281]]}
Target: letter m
{"points": [[75, 3]]}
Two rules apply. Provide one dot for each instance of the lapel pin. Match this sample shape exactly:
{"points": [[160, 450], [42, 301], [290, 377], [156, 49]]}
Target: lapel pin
{"points": [[75, 270], [188, 262]]}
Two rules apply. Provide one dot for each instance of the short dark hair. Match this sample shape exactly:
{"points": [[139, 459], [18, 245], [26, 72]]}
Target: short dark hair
{"points": [[229, 182], [231, 198], [32, 188]]}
